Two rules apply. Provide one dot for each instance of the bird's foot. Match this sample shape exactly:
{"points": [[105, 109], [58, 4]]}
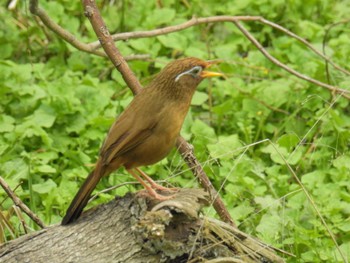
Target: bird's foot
{"points": [[161, 188], [153, 184], [152, 193]]}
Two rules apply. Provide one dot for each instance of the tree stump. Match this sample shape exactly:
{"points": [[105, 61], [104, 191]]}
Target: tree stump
{"points": [[137, 229]]}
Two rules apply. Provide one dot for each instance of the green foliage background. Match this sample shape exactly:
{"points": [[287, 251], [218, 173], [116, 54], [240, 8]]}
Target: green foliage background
{"points": [[57, 103]]}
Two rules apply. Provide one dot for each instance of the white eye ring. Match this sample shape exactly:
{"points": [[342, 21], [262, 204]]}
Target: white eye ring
{"points": [[194, 72]]}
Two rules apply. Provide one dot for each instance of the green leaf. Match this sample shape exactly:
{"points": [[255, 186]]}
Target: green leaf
{"points": [[288, 141], [45, 188], [226, 147], [267, 202], [17, 168], [6, 50], [45, 169], [276, 92], [199, 98], [223, 108], [342, 162], [175, 41], [160, 16], [345, 226], [269, 227], [6, 123], [313, 179], [277, 153], [345, 248], [202, 130], [44, 117], [77, 124], [198, 52], [242, 211]]}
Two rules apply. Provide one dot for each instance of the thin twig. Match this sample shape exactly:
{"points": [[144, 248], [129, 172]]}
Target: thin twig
{"points": [[325, 39], [106, 190], [18, 202], [289, 33], [215, 19], [256, 43], [69, 37], [312, 202], [171, 29], [187, 154], [21, 219], [5, 222], [91, 48], [14, 190], [93, 14]]}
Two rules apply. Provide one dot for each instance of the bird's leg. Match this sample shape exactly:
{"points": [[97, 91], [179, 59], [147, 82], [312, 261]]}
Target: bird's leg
{"points": [[153, 184], [150, 190]]}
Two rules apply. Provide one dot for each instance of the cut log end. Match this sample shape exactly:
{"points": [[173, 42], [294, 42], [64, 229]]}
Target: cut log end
{"points": [[135, 229]]}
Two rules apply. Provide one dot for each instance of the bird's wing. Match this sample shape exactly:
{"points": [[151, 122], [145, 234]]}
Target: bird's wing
{"points": [[133, 127], [126, 142]]}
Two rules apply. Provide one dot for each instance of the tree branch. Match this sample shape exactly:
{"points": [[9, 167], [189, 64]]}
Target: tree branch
{"points": [[67, 36], [92, 47], [335, 89], [18, 202], [93, 14], [216, 19]]}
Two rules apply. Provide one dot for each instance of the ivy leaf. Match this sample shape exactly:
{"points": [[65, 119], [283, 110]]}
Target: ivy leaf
{"points": [[44, 117], [342, 162], [45, 169], [174, 41], [202, 130], [199, 98], [6, 123], [288, 141], [225, 147], [268, 227], [160, 16], [44, 188], [277, 154]]}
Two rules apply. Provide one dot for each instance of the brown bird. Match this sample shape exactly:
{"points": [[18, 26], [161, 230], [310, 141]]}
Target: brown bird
{"points": [[147, 130]]}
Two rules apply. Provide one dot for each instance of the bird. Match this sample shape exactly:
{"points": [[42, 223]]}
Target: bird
{"points": [[146, 131]]}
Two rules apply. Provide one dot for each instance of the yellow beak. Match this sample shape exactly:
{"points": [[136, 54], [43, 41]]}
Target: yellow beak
{"points": [[209, 74]]}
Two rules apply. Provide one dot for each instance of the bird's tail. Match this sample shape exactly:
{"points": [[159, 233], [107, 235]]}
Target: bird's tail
{"points": [[82, 197]]}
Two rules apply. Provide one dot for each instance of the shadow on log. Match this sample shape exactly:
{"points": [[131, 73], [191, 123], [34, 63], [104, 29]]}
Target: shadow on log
{"points": [[135, 229]]}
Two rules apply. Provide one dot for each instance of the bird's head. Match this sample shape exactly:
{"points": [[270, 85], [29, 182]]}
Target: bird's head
{"points": [[184, 75]]}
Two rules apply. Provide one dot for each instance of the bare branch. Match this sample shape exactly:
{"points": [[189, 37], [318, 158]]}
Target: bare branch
{"points": [[256, 43], [171, 29], [18, 202], [235, 19], [289, 33], [215, 19], [92, 48], [187, 154], [68, 37], [93, 14], [325, 39]]}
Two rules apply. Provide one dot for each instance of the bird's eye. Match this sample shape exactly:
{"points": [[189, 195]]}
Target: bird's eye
{"points": [[196, 70]]}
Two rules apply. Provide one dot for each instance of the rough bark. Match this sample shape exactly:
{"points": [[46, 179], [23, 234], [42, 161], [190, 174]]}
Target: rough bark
{"points": [[137, 229]]}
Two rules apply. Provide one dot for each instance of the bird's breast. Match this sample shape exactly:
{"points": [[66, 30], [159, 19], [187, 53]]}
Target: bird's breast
{"points": [[162, 139]]}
